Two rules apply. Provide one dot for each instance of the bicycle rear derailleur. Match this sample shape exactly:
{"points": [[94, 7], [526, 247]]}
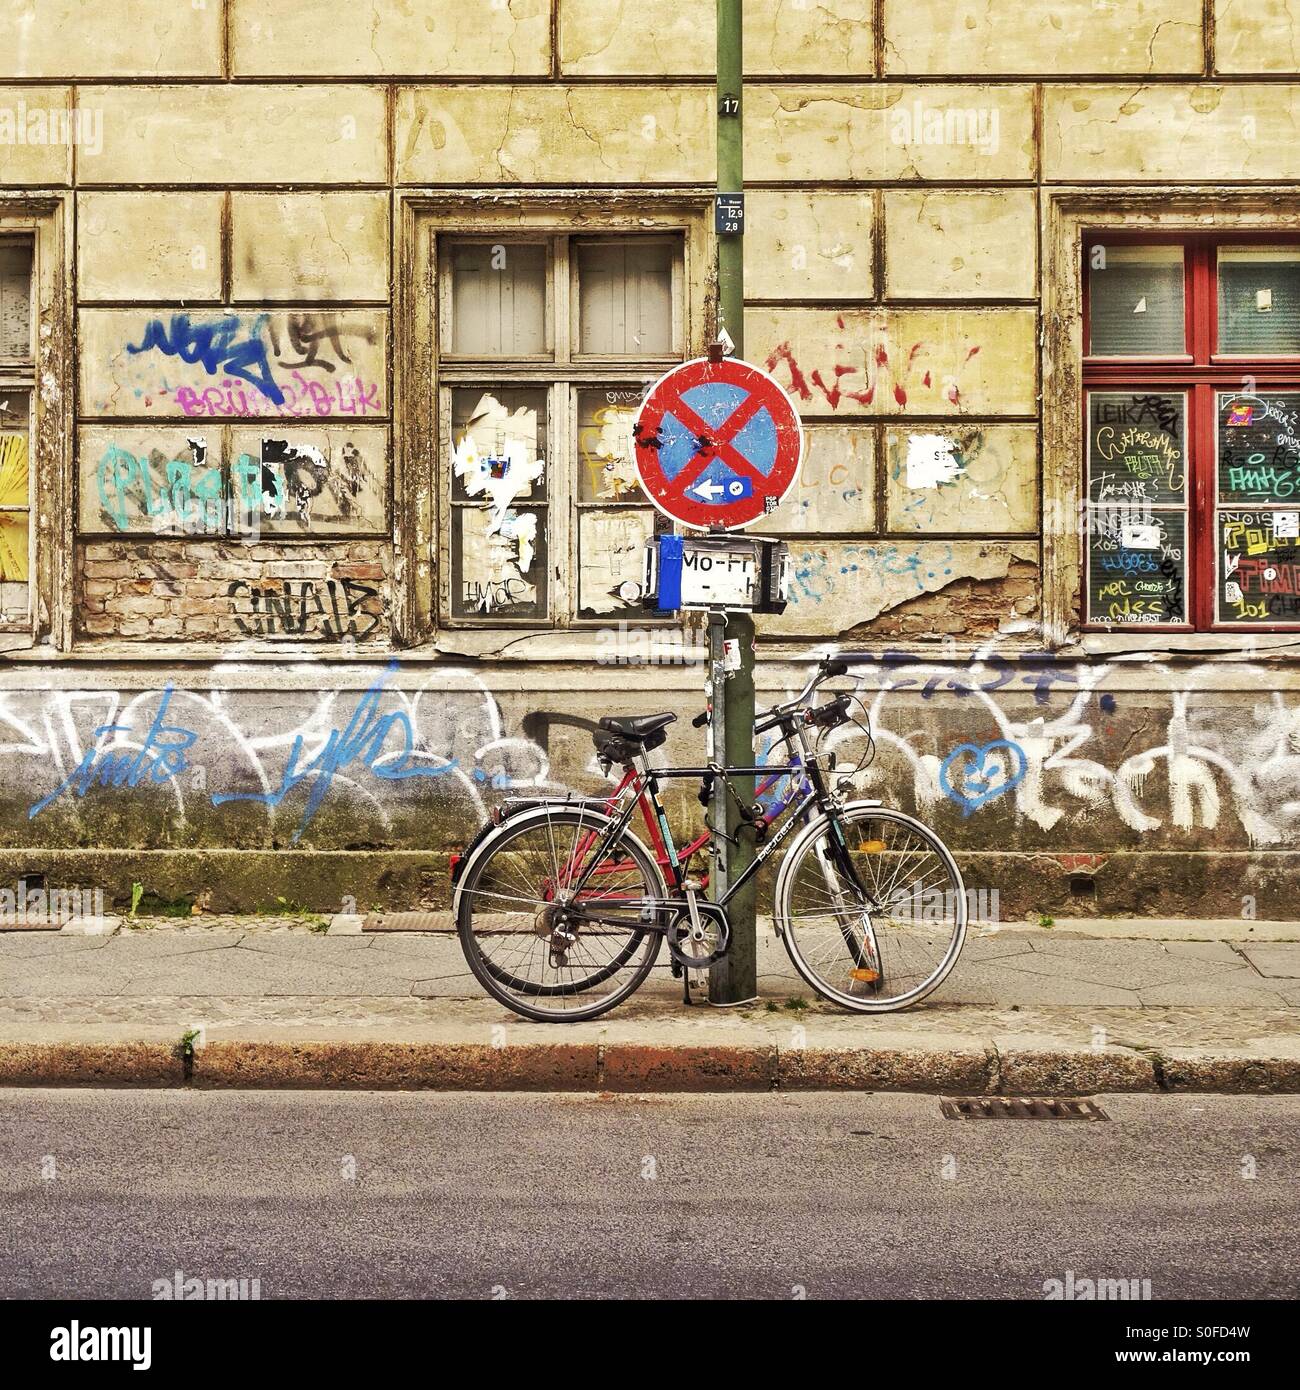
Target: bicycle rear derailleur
{"points": [[698, 935]]}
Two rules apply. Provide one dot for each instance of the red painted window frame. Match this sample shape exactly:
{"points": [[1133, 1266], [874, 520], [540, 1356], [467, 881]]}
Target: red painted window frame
{"points": [[1201, 372]]}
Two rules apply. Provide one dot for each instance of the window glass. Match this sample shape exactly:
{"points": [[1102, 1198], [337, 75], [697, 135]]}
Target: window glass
{"points": [[606, 460], [611, 559], [498, 299], [1137, 514], [15, 502], [16, 299], [615, 520], [625, 297], [1135, 301], [1259, 300], [499, 539], [1257, 523]]}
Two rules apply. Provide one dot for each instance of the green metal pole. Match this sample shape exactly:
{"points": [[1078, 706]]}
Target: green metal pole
{"points": [[735, 977]]}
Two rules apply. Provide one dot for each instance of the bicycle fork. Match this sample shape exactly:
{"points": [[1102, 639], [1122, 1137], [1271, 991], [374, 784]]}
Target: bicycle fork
{"points": [[859, 936]]}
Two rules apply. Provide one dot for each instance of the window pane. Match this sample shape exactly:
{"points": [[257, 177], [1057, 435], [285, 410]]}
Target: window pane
{"points": [[498, 299], [1259, 567], [16, 299], [499, 566], [1259, 448], [611, 559], [498, 445], [625, 297], [606, 458], [499, 537], [1259, 300], [13, 547], [1137, 565], [15, 494], [1135, 301], [1137, 447]]}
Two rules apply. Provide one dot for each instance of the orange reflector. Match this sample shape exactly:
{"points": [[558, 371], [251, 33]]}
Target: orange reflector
{"points": [[872, 847], [870, 976]]}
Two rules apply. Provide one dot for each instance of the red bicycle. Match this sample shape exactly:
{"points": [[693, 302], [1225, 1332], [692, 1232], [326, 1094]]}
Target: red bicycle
{"points": [[561, 908]]}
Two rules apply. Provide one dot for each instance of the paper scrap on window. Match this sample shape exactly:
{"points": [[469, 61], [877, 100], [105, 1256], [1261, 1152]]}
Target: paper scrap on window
{"points": [[611, 551], [494, 562], [497, 456], [608, 452]]}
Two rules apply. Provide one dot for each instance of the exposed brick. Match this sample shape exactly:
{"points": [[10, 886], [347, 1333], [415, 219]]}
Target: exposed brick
{"points": [[279, 591]]}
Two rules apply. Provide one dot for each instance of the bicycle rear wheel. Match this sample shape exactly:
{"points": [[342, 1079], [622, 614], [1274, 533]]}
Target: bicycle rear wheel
{"points": [[545, 947], [872, 908]]}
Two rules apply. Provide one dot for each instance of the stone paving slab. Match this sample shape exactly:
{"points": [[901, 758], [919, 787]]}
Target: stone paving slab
{"points": [[1279, 962]]}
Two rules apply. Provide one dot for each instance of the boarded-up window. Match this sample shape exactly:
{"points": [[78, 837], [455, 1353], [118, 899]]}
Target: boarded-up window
{"points": [[15, 301], [546, 521], [625, 298], [498, 299]]}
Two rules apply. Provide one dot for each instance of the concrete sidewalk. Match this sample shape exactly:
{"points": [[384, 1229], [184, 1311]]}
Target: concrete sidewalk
{"points": [[1072, 1009]]}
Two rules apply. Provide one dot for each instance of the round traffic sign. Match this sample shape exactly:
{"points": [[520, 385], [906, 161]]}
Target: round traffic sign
{"points": [[718, 444]]}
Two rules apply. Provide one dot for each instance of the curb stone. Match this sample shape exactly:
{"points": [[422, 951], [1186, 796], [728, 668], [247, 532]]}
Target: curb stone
{"points": [[630, 1067], [91, 1064]]}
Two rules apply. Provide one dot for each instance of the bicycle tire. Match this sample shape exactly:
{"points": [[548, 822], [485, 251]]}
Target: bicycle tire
{"points": [[787, 919], [517, 992]]}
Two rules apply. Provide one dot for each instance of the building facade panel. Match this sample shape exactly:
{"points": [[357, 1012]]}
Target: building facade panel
{"points": [[1002, 37], [320, 350]]}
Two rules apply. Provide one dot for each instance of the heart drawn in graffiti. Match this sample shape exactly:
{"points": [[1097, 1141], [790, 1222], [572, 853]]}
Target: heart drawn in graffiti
{"points": [[975, 773]]}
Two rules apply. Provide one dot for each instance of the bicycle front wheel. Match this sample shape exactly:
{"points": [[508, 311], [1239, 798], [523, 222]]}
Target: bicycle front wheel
{"points": [[872, 908], [557, 917]]}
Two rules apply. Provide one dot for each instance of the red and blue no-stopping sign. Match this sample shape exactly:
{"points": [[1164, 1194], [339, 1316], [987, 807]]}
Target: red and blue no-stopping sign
{"points": [[718, 444]]}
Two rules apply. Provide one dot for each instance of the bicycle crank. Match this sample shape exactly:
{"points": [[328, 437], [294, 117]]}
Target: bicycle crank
{"points": [[697, 938]]}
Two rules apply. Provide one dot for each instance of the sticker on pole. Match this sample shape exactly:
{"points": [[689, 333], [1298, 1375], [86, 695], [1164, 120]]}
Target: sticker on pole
{"points": [[718, 444]]}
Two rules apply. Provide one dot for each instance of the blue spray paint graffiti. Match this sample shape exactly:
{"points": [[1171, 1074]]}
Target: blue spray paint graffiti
{"points": [[973, 774], [216, 348], [161, 756], [364, 741]]}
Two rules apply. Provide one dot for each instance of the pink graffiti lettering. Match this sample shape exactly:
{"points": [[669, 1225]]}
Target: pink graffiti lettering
{"points": [[347, 396]]}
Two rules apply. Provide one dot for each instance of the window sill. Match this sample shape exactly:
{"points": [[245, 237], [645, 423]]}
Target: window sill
{"points": [[1252, 646]]}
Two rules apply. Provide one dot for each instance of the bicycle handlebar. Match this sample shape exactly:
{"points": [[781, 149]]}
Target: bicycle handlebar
{"points": [[827, 669]]}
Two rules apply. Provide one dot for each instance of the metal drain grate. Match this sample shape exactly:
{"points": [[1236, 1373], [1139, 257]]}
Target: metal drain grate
{"points": [[1019, 1108]]}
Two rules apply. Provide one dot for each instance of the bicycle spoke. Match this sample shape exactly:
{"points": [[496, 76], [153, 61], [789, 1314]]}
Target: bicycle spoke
{"points": [[917, 922], [537, 947]]}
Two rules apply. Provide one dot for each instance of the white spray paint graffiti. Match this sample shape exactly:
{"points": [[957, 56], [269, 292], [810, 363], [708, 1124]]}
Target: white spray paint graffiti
{"points": [[1245, 754]]}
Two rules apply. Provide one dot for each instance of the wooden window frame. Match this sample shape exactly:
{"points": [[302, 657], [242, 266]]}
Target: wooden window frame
{"points": [[1200, 373], [429, 219], [45, 220], [1072, 218]]}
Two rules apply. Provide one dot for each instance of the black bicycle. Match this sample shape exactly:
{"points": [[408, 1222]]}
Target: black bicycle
{"points": [[561, 908]]}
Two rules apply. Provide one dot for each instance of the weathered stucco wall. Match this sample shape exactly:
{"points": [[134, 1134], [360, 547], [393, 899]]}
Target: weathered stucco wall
{"points": [[1097, 787], [235, 179]]}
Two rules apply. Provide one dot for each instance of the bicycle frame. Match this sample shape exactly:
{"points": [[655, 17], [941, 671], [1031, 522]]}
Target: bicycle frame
{"points": [[642, 782]]}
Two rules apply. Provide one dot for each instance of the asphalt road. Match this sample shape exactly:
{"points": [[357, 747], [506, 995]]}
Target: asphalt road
{"points": [[325, 1194]]}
